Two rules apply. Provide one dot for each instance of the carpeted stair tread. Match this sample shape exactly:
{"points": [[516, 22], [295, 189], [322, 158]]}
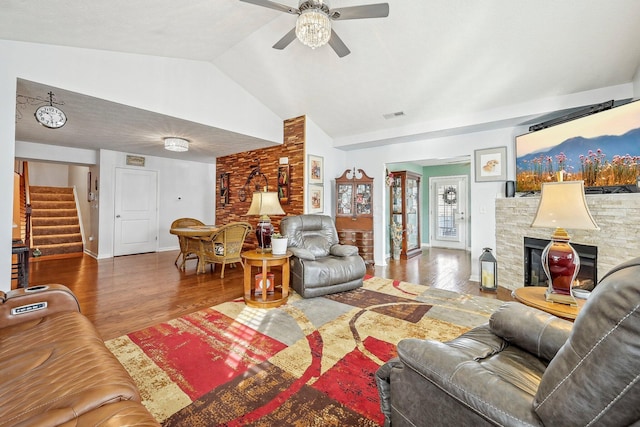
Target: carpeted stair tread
{"points": [[57, 239], [50, 190], [48, 230], [54, 220], [51, 197], [53, 204], [54, 212], [64, 248]]}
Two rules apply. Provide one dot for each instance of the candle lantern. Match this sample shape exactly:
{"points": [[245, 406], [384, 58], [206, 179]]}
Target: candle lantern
{"points": [[488, 271]]}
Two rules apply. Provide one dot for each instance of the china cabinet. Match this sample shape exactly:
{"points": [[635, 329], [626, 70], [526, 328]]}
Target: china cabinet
{"points": [[354, 211], [405, 211]]}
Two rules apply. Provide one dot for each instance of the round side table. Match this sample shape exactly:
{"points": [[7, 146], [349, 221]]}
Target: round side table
{"points": [[265, 261], [533, 296]]}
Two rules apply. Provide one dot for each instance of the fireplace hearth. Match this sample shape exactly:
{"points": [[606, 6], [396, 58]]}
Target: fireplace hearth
{"points": [[534, 274]]}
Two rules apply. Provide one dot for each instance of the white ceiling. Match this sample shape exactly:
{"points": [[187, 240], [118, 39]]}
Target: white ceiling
{"points": [[431, 59]]}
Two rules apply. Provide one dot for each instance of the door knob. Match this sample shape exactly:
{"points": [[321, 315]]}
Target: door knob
{"points": [[117, 216]]}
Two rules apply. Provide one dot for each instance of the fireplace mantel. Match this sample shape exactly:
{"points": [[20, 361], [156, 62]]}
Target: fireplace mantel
{"points": [[617, 215]]}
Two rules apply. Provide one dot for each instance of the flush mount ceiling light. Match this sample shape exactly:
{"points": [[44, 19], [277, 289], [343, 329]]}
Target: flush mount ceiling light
{"points": [[176, 144]]}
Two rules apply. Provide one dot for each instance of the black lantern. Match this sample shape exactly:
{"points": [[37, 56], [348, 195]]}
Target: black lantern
{"points": [[488, 271]]}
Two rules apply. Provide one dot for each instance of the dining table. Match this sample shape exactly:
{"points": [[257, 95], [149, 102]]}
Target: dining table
{"points": [[186, 234], [194, 230]]}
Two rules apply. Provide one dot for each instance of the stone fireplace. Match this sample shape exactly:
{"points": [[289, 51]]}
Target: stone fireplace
{"points": [[618, 239]]}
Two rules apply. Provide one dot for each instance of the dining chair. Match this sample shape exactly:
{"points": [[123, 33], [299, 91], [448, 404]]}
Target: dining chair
{"points": [[187, 251], [223, 246]]}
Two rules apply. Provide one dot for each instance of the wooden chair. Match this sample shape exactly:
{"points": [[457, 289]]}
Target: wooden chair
{"points": [[223, 246], [186, 251]]}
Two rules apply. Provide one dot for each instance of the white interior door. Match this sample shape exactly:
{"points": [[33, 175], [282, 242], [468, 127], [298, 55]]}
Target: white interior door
{"points": [[448, 212], [136, 216]]}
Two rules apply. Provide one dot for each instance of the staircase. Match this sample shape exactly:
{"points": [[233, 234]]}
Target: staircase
{"points": [[55, 228]]}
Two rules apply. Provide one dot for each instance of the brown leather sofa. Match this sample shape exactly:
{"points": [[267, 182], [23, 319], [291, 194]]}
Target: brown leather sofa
{"points": [[526, 367], [55, 369]]}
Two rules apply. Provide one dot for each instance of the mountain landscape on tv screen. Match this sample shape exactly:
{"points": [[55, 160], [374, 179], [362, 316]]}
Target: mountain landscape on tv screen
{"points": [[606, 163], [607, 145]]}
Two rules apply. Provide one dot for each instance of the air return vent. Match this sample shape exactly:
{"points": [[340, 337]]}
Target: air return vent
{"points": [[393, 115]]}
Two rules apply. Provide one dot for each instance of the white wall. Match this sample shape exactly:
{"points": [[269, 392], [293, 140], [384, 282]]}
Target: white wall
{"points": [[483, 194], [48, 174], [191, 90], [185, 189], [636, 84], [318, 143]]}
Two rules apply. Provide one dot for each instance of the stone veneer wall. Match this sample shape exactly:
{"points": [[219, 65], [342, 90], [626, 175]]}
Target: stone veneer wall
{"points": [[617, 215], [239, 166]]}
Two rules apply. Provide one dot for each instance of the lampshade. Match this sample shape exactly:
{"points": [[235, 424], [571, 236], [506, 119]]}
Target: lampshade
{"points": [[176, 144], [313, 28], [265, 204], [563, 204]]}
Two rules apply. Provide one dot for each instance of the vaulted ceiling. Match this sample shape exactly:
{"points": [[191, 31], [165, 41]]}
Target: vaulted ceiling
{"points": [[432, 60]]}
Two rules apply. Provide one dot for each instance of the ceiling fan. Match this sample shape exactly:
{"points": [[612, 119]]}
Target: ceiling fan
{"points": [[313, 27]]}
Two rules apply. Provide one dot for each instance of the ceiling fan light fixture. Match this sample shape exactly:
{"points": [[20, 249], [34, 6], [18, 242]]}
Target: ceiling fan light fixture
{"points": [[313, 28], [176, 144]]}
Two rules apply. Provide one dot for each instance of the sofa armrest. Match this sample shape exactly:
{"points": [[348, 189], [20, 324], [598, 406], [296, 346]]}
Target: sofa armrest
{"points": [[21, 305], [343, 250], [531, 329], [383, 381]]}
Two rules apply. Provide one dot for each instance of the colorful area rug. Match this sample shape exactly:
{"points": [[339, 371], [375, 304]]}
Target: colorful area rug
{"points": [[310, 362]]}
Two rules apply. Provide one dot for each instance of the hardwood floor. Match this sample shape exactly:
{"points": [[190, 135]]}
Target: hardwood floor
{"points": [[124, 294]]}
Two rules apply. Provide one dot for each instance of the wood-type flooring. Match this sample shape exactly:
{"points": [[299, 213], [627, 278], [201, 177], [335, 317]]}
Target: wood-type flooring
{"points": [[124, 294]]}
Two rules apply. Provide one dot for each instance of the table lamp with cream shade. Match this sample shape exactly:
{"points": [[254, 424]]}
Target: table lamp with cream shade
{"points": [[562, 205], [265, 204]]}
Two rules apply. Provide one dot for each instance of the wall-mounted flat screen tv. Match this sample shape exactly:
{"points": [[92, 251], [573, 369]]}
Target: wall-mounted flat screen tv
{"points": [[602, 149]]}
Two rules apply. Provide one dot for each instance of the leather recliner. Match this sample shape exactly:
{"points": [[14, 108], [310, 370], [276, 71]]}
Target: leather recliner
{"points": [[320, 265], [527, 367]]}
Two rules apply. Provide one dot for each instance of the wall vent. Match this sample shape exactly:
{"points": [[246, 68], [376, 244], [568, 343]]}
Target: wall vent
{"points": [[393, 115]]}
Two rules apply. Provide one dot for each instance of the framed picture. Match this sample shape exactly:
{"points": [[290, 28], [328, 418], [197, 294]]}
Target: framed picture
{"points": [[224, 188], [491, 164], [283, 184], [316, 199], [316, 170]]}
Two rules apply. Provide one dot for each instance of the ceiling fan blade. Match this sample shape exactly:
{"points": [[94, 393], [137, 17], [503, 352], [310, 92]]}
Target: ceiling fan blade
{"points": [[378, 10], [338, 45], [286, 40], [274, 5]]}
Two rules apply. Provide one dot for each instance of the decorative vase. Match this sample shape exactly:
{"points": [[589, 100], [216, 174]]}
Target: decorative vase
{"points": [[397, 248], [279, 245]]}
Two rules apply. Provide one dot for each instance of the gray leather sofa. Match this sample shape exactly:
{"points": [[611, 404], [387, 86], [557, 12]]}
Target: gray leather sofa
{"points": [[526, 367], [320, 265]]}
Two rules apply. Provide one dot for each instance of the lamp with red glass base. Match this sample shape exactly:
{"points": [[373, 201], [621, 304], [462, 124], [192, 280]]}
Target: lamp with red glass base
{"points": [[562, 204], [265, 204]]}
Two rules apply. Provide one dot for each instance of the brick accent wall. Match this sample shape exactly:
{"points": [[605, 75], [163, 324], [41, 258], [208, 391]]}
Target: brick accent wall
{"points": [[239, 167], [617, 240]]}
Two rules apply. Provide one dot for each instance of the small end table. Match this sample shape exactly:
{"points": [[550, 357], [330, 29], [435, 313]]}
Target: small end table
{"points": [[265, 261], [533, 296]]}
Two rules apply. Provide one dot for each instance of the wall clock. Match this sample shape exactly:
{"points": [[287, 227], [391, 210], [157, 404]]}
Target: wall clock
{"points": [[50, 116]]}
